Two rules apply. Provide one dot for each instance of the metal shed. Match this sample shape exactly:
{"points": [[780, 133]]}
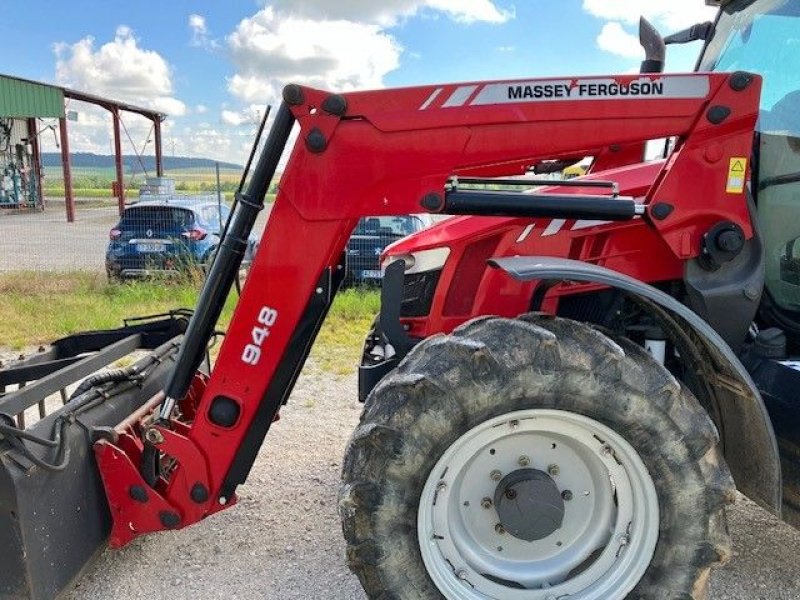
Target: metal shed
{"points": [[22, 103]]}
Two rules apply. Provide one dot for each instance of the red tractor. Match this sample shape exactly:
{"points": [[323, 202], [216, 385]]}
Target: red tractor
{"points": [[565, 385]]}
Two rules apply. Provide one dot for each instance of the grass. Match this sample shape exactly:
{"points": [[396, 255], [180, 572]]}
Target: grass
{"points": [[41, 307]]}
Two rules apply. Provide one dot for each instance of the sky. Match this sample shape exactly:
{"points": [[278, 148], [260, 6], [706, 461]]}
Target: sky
{"points": [[213, 66]]}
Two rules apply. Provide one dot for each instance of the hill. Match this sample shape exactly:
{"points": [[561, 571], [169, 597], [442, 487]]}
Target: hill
{"points": [[106, 161]]}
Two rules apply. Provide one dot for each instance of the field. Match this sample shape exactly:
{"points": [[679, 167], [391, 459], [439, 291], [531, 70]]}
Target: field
{"points": [[95, 182], [39, 307]]}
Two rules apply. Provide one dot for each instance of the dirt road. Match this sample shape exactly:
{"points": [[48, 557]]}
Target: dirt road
{"points": [[283, 540]]}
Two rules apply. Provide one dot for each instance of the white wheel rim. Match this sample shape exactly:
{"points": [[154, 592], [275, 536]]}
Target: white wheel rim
{"points": [[610, 526]]}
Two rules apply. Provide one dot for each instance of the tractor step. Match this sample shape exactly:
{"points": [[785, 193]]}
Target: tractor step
{"points": [[54, 516]]}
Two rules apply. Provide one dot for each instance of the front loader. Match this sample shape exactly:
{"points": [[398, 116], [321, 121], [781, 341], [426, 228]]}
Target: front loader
{"points": [[560, 386]]}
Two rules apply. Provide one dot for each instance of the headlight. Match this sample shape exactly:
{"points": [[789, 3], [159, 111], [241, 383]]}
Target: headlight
{"points": [[422, 261]]}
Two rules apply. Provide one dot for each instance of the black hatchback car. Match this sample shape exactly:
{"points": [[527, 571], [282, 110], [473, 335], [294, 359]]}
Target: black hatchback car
{"points": [[166, 237], [370, 237]]}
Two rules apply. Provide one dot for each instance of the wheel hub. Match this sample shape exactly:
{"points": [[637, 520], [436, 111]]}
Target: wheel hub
{"points": [[535, 504], [529, 504]]}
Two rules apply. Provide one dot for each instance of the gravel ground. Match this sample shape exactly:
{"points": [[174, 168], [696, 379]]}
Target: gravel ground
{"points": [[283, 542]]}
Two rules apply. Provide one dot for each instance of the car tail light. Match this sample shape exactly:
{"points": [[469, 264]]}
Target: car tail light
{"points": [[114, 234], [195, 234]]}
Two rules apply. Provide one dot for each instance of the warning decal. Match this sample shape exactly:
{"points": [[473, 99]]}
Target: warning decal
{"points": [[736, 175]]}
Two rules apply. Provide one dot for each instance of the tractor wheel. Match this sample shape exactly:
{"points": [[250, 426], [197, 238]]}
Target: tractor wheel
{"points": [[533, 458]]}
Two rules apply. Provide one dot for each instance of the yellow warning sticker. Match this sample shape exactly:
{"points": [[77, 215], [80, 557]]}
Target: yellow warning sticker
{"points": [[736, 175]]}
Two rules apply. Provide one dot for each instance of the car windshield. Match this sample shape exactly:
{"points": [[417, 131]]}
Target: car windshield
{"points": [[160, 217], [763, 37], [396, 226], [215, 216]]}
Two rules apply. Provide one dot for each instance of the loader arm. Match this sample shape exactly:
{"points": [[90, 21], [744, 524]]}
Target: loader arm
{"points": [[390, 152]]}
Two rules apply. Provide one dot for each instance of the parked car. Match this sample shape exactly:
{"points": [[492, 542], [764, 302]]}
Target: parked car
{"points": [[370, 237], [167, 237]]}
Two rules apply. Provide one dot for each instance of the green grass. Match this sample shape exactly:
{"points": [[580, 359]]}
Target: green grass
{"points": [[338, 346], [41, 307]]}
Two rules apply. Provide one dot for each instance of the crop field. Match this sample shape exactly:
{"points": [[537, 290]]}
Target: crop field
{"points": [[95, 182]]}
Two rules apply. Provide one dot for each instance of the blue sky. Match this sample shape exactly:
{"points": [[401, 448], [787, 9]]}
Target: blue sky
{"points": [[213, 66]]}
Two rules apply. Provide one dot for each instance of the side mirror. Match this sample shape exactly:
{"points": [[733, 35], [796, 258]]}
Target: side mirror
{"points": [[701, 31], [654, 48]]}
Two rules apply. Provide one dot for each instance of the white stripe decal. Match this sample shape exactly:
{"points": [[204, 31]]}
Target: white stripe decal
{"points": [[525, 233], [601, 88], [554, 227], [431, 98], [585, 224], [460, 96]]}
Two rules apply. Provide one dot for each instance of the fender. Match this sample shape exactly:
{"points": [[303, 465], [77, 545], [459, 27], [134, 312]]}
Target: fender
{"points": [[748, 439]]}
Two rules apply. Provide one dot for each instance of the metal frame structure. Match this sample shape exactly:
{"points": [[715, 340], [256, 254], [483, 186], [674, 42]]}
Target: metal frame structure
{"points": [[115, 108]]}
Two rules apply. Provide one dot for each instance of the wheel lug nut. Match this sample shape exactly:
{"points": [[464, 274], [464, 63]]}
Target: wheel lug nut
{"points": [[566, 495], [442, 486], [523, 461], [495, 475], [514, 424], [462, 574], [553, 470], [607, 451], [623, 540], [486, 503], [499, 529]]}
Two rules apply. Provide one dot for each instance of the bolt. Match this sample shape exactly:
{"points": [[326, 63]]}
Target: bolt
{"points": [[511, 493], [514, 424], [154, 436], [462, 574], [523, 461], [499, 529], [553, 470], [486, 503], [623, 540], [607, 451], [495, 475], [566, 495], [441, 486], [319, 290]]}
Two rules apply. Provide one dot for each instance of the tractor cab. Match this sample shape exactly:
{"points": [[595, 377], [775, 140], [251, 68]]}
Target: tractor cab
{"points": [[763, 36]]}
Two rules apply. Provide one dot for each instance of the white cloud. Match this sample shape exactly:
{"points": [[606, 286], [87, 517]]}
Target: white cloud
{"points": [[341, 55], [120, 70], [613, 38], [201, 109], [668, 17], [339, 46], [387, 13], [672, 15], [197, 23], [200, 33], [248, 116]]}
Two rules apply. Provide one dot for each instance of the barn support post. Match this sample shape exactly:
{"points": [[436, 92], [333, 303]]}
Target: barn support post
{"points": [[69, 198], [120, 187]]}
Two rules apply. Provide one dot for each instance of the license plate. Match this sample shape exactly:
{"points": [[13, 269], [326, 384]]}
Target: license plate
{"points": [[371, 274], [150, 247]]}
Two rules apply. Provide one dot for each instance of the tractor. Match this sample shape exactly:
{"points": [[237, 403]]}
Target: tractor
{"points": [[568, 379]]}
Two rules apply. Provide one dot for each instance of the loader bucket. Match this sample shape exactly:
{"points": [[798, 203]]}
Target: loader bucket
{"points": [[54, 519]]}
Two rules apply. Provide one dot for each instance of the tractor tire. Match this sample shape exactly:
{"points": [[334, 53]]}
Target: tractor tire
{"points": [[533, 458]]}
